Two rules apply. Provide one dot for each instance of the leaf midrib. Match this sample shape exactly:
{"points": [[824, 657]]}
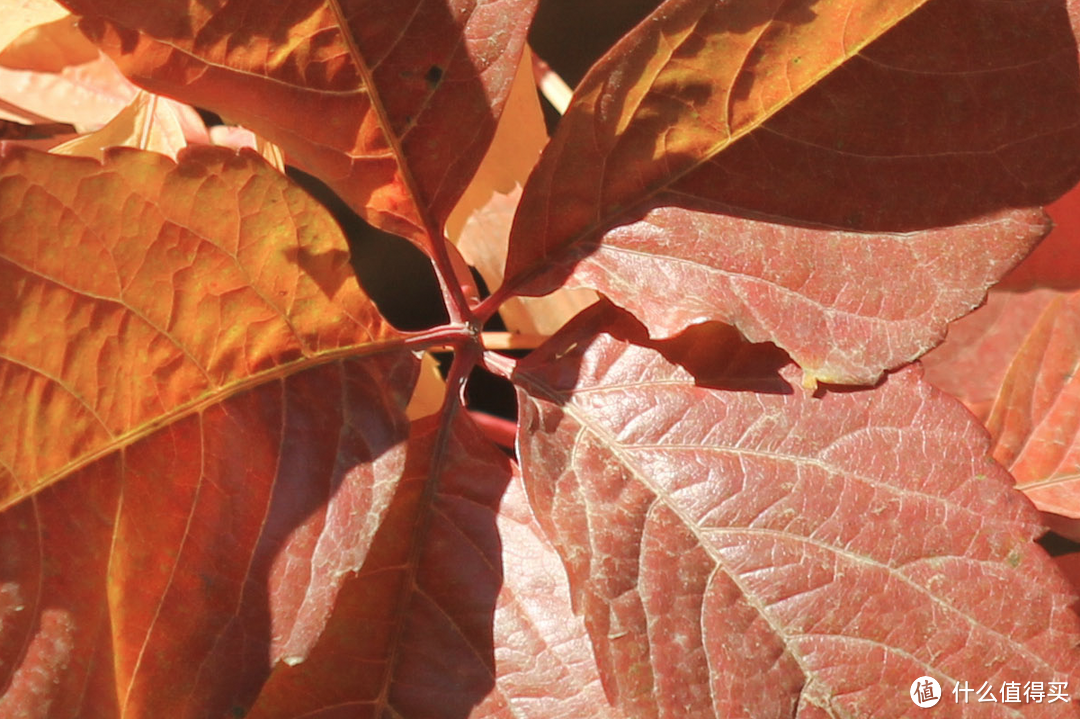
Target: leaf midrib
{"points": [[213, 396]]}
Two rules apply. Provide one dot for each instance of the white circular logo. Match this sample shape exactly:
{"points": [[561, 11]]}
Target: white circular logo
{"points": [[925, 692]]}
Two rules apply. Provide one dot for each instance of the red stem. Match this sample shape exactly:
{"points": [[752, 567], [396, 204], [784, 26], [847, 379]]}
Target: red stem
{"points": [[502, 432]]}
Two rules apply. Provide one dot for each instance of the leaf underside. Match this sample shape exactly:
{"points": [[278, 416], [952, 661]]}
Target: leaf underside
{"points": [[742, 553], [788, 170]]}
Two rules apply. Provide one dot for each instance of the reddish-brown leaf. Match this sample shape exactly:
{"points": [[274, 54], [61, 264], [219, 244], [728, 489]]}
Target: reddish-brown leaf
{"points": [[1014, 363], [712, 121], [1055, 263], [972, 361], [1035, 419], [461, 608], [391, 103], [751, 554], [185, 345]]}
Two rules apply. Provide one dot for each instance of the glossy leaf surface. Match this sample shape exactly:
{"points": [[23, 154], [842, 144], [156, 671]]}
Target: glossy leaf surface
{"points": [[745, 553], [864, 131], [390, 103]]}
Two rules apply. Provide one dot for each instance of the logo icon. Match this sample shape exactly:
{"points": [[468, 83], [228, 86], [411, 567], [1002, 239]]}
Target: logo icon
{"points": [[925, 692]]}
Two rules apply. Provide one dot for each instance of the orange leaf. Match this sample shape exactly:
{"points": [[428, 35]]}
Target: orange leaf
{"points": [[392, 104], [197, 281], [150, 122], [23, 15]]}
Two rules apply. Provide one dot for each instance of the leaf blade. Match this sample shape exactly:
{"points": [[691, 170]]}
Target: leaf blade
{"points": [[391, 104], [166, 580], [156, 315], [870, 146], [767, 532]]}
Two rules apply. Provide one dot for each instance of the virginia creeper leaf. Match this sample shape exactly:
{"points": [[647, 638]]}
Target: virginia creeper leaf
{"points": [[866, 131], [1035, 416], [392, 104], [750, 554], [185, 345], [431, 626], [138, 291], [972, 361], [166, 578]]}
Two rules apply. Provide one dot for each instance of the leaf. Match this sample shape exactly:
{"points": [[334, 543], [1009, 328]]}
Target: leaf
{"points": [[749, 553], [1035, 419], [165, 579], [150, 123], [56, 74], [1012, 362], [185, 345], [24, 15], [194, 282], [866, 132], [1055, 263], [431, 625], [479, 225], [545, 664], [236, 137], [972, 361], [392, 104]]}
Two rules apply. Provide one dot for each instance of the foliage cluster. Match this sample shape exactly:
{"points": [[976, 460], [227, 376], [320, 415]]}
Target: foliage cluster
{"points": [[229, 486]]}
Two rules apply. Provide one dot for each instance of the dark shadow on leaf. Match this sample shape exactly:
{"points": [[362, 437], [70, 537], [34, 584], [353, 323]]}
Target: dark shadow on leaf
{"points": [[942, 120], [715, 354], [385, 264], [411, 633], [719, 357], [321, 267]]}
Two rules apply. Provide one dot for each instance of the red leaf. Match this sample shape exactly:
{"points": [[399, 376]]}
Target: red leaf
{"points": [[430, 626], [972, 361], [1014, 363], [1035, 420], [391, 103], [1055, 263], [750, 554], [165, 579], [711, 119]]}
